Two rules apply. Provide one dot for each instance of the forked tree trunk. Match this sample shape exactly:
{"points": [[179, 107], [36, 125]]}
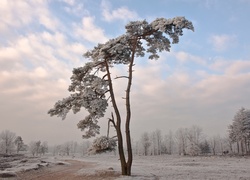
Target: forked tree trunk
{"points": [[125, 166], [117, 124]]}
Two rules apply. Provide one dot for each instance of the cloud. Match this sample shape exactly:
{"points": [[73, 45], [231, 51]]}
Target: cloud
{"points": [[75, 8], [47, 21], [222, 42], [14, 13], [22, 13], [37, 56], [238, 67], [122, 13], [90, 32], [40, 72], [35, 71], [48, 49], [219, 65], [184, 57], [230, 67], [181, 99], [35, 67]]}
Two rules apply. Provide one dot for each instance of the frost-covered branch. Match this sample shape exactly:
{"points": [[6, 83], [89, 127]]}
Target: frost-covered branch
{"points": [[89, 126]]}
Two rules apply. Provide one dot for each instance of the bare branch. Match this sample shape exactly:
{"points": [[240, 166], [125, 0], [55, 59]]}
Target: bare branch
{"points": [[104, 93], [108, 98], [96, 71], [112, 120], [104, 76], [118, 77]]}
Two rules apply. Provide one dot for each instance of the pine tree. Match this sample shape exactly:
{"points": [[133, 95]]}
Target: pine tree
{"points": [[92, 92]]}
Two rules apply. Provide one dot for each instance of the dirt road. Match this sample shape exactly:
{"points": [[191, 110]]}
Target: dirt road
{"points": [[67, 172]]}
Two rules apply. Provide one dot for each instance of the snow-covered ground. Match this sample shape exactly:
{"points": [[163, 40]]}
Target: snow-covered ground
{"points": [[13, 164], [176, 167], [152, 167]]}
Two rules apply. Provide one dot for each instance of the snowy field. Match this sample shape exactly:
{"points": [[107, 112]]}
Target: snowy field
{"points": [[177, 167], [151, 167]]}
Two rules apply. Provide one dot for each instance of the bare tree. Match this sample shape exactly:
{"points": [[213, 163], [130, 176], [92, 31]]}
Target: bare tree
{"points": [[19, 143], [84, 147], [56, 150], [204, 147], [169, 142], [239, 131], [159, 141], [153, 143], [90, 91], [136, 147], [44, 148], [145, 142], [214, 144], [194, 136], [66, 147], [74, 146], [38, 147], [181, 137], [34, 147], [7, 141]]}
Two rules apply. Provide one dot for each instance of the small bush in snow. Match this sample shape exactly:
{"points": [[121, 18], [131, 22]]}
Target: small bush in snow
{"points": [[102, 144]]}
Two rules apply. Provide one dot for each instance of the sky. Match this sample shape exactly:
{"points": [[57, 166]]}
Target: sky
{"points": [[202, 81]]}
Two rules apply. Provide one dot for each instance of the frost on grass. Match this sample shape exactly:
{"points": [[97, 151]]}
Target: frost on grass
{"points": [[176, 167], [13, 164]]}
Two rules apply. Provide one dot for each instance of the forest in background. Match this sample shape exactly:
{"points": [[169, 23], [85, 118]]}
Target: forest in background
{"points": [[185, 141]]}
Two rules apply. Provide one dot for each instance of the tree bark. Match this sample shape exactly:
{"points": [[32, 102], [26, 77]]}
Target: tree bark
{"points": [[128, 109]]}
